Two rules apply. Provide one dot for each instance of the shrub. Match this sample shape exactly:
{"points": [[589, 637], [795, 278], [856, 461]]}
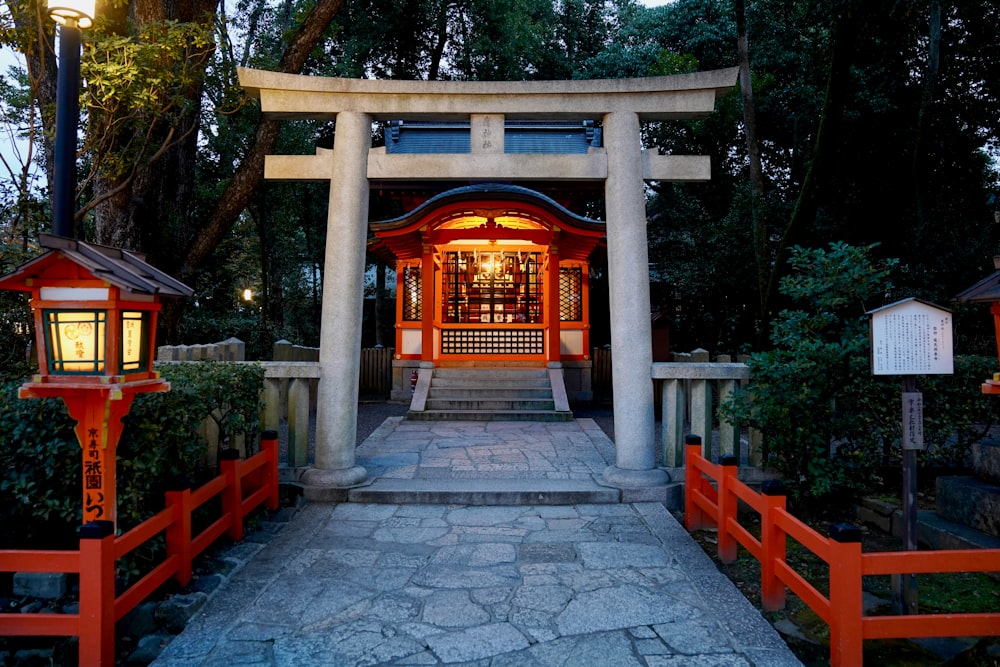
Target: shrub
{"points": [[40, 458]]}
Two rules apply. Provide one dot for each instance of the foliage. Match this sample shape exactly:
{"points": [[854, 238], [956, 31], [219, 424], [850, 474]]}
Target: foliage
{"points": [[41, 482], [805, 391], [40, 478], [912, 166], [918, 181], [136, 82], [828, 424]]}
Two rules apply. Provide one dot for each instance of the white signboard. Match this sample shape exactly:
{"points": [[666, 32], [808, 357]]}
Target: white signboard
{"points": [[911, 337]]}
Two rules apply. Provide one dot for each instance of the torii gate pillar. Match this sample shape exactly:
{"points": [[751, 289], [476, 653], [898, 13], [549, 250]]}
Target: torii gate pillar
{"points": [[628, 277], [343, 302]]}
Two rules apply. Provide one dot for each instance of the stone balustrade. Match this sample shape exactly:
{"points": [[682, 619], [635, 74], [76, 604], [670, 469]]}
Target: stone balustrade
{"points": [[687, 397]]}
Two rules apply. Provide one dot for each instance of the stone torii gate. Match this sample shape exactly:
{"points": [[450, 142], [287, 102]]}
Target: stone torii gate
{"points": [[621, 164]]}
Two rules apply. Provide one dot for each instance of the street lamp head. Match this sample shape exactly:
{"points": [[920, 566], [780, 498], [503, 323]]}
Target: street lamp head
{"points": [[74, 13]]}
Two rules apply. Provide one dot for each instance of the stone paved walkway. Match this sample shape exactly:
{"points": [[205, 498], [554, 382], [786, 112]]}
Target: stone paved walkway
{"points": [[487, 586], [400, 449]]}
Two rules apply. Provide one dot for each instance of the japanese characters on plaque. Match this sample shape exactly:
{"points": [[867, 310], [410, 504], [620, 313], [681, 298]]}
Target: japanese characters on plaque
{"points": [[911, 337], [913, 420], [93, 478]]}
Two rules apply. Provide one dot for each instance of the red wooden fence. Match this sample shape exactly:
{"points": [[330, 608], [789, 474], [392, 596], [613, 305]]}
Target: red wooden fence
{"points": [[841, 608], [242, 487]]}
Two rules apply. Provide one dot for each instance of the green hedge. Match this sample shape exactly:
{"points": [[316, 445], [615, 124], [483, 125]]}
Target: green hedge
{"points": [[40, 458]]}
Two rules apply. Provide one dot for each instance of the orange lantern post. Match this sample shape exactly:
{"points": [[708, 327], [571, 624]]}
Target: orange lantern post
{"points": [[95, 311]]}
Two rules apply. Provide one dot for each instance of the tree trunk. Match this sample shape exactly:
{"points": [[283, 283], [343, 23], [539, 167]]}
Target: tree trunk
{"points": [[828, 137], [926, 102], [250, 173], [146, 209], [759, 226], [251, 170]]}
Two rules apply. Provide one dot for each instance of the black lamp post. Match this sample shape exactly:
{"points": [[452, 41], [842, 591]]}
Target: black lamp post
{"points": [[72, 16]]}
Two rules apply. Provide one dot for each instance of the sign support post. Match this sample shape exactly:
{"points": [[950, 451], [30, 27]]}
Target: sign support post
{"points": [[910, 338], [904, 586]]}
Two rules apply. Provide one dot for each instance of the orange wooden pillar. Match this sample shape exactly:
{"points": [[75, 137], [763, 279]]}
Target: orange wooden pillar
{"points": [[693, 519], [178, 533], [269, 445], [427, 303], [727, 506], [98, 414], [97, 594], [232, 497], [773, 545], [846, 630], [553, 351]]}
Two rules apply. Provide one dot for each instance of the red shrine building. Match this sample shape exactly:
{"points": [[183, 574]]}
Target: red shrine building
{"points": [[492, 274]]}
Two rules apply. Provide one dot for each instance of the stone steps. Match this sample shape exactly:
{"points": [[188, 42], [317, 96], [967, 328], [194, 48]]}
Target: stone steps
{"points": [[493, 392], [494, 404], [490, 393], [974, 501], [485, 492], [490, 415]]}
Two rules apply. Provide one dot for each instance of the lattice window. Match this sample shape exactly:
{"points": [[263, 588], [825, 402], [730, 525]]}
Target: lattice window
{"points": [[492, 341], [571, 294], [412, 294], [492, 287]]}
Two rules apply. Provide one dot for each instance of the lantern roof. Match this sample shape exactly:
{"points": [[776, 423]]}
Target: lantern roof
{"points": [[123, 269]]}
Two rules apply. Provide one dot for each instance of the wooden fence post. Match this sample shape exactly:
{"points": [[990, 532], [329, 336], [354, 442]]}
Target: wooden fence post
{"points": [[727, 506], [179, 532], [269, 445], [846, 633], [693, 519], [97, 594], [773, 545], [232, 496]]}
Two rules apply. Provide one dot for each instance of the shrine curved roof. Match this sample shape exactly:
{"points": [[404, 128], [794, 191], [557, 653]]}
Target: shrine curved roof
{"points": [[494, 191], [404, 237]]}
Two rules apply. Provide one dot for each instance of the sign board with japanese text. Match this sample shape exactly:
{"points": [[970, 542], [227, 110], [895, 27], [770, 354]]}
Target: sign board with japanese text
{"points": [[911, 337]]}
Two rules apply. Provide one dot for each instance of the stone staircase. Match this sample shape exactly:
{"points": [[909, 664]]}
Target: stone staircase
{"points": [[490, 393], [974, 501]]}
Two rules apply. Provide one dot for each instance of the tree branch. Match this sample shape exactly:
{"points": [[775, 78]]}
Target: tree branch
{"points": [[251, 170]]}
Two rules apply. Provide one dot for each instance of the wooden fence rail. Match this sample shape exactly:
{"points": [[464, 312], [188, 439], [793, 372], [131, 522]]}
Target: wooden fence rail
{"points": [[242, 486], [841, 608]]}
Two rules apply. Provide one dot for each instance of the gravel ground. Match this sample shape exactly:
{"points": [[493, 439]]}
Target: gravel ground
{"points": [[371, 414]]}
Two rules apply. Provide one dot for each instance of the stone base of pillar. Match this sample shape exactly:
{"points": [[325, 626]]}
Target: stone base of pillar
{"points": [[630, 479], [331, 485]]}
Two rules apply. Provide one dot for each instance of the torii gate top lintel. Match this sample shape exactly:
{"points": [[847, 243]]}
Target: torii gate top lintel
{"points": [[294, 96]]}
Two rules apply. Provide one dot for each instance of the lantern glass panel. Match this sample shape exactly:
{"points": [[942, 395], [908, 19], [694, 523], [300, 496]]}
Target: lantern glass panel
{"points": [[134, 341], [75, 341]]}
